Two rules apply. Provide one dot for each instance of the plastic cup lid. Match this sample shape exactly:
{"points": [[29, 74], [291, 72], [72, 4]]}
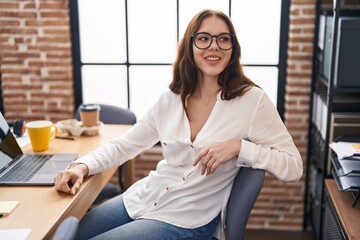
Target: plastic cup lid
{"points": [[89, 107]]}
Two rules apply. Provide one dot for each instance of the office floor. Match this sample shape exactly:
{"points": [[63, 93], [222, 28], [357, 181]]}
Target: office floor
{"points": [[259, 234]]}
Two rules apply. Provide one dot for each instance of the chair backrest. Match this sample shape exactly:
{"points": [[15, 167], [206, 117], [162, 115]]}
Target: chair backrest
{"points": [[67, 229], [110, 114], [246, 189]]}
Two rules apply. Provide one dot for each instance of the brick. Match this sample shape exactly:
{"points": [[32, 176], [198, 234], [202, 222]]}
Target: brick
{"points": [[21, 71], [53, 40], [300, 58], [7, 5], [63, 63], [18, 31], [17, 14], [299, 75], [302, 39], [61, 5], [303, 2], [57, 31], [9, 48], [303, 21], [54, 14], [309, 11], [29, 5], [8, 23], [49, 23], [20, 55], [49, 47]]}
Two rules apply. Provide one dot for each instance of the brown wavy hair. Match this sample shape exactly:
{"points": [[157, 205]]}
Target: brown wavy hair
{"points": [[232, 80]]}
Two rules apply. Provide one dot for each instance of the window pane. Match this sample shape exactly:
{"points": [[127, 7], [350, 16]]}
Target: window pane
{"points": [[146, 86], [102, 31], [153, 39], [266, 78], [188, 9], [105, 84], [152, 31], [258, 29]]}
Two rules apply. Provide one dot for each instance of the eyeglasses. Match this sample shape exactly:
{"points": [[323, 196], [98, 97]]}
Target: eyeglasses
{"points": [[203, 40]]}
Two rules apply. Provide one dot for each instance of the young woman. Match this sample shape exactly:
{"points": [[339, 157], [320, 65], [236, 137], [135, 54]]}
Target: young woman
{"points": [[211, 122]]}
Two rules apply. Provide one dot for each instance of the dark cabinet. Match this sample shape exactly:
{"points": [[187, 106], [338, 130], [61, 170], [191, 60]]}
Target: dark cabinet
{"points": [[335, 106], [347, 51]]}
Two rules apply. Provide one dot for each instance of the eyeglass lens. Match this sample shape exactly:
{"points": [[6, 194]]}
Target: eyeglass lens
{"points": [[203, 40]]}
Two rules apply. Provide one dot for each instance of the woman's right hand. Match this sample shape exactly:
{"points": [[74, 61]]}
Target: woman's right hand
{"points": [[70, 180]]}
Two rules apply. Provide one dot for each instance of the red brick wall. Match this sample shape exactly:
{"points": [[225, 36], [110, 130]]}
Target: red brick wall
{"points": [[36, 72], [36, 67], [280, 204]]}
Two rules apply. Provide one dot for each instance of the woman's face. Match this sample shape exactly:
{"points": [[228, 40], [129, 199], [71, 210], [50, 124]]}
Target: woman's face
{"points": [[213, 60]]}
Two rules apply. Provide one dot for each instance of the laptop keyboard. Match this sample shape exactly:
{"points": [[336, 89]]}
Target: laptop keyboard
{"points": [[26, 168]]}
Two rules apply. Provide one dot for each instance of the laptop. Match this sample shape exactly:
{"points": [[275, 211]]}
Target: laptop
{"points": [[17, 168]]}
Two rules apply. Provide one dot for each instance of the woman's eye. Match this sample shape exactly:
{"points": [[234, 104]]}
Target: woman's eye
{"points": [[225, 39], [204, 39]]}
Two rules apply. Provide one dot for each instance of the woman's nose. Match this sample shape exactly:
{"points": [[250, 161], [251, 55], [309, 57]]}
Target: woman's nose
{"points": [[213, 45]]}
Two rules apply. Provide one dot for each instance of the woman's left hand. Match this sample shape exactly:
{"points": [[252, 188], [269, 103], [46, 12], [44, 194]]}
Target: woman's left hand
{"points": [[216, 154]]}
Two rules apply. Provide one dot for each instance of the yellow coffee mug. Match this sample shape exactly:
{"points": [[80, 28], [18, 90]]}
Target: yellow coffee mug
{"points": [[41, 133]]}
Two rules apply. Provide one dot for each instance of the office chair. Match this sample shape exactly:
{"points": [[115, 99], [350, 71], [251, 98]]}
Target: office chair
{"points": [[110, 114], [67, 229], [246, 189]]}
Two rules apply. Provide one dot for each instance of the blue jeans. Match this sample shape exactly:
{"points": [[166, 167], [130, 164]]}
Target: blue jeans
{"points": [[110, 220]]}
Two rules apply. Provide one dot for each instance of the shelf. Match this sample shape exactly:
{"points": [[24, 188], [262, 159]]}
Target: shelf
{"points": [[335, 103], [347, 214], [355, 90], [339, 90]]}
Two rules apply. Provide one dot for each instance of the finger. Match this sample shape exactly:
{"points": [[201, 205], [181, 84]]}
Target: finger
{"points": [[64, 187], [62, 183], [214, 167], [204, 163], [200, 156], [209, 165], [75, 188], [57, 180]]}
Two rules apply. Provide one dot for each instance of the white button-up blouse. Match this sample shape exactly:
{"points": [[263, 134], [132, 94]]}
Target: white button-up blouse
{"points": [[175, 192]]}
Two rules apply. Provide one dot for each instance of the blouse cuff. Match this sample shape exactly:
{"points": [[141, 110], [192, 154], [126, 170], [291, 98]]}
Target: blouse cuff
{"points": [[87, 160], [246, 155]]}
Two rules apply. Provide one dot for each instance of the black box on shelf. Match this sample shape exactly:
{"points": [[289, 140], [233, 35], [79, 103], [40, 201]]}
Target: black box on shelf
{"points": [[346, 183], [346, 167], [342, 124], [347, 53]]}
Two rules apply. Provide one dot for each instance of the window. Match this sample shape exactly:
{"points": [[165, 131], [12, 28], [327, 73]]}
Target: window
{"points": [[124, 50]]}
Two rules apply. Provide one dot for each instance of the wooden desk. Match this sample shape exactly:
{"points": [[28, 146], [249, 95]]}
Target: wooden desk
{"points": [[348, 216], [42, 208]]}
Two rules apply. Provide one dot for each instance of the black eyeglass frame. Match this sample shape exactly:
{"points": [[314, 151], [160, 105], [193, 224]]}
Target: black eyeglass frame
{"points": [[217, 38]]}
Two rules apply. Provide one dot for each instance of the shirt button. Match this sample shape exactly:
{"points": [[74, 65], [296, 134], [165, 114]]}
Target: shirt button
{"points": [[167, 188], [183, 178], [155, 204], [192, 146]]}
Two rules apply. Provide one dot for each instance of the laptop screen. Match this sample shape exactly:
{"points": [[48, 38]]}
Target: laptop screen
{"points": [[9, 148]]}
